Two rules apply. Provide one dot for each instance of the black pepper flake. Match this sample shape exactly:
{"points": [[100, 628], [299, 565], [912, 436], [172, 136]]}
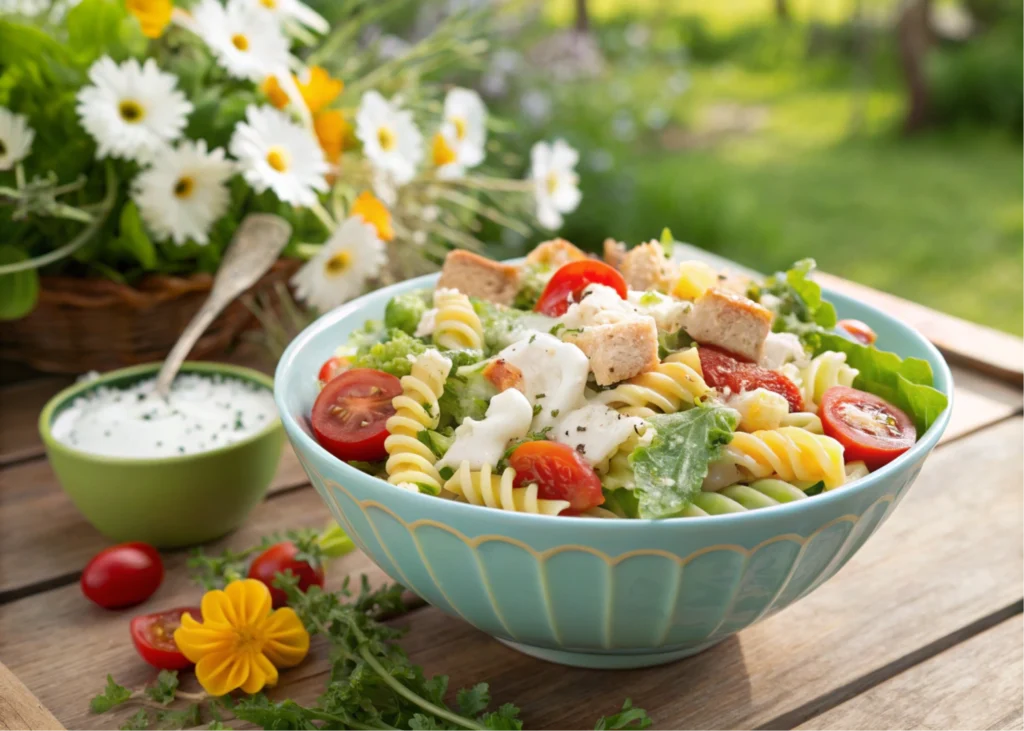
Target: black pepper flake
{"points": [[581, 448], [581, 428]]}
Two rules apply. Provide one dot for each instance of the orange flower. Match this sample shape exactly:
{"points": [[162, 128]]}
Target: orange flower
{"points": [[318, 89], [370, 209], [330, 127], [275, 94], [153, 15], [442, 152]]}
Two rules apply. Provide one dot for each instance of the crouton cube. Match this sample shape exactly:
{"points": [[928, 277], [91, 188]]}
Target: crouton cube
{"points": [[620, 350], [731, 322], [553, 254], [614, 252], [477, 276], [645, 267]]}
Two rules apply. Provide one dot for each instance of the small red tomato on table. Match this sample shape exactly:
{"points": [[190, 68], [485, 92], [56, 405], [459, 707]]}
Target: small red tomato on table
{"points": [[122, 575], [279, 558], [153, 636], [567, 284], [869, 427], [350, 413], [559, 473]]}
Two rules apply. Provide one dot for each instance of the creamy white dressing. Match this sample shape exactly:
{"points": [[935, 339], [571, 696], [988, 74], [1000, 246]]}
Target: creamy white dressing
{"points": [[598, 305], [554, 375], [669, 313], [202, 413], [782, 348], [483, 442], [596, 431], [427, 323]]}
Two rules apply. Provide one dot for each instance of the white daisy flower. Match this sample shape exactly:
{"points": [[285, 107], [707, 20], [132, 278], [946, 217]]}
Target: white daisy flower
{"points": [[286, 12], [390, 138], [338, 272], [131, 110], [15, 138], [465, 126], [279, 154], [556, 185], [184, 191], [245, 44]]}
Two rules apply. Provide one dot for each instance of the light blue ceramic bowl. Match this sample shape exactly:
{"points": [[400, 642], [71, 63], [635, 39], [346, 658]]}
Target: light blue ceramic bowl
{"points": [[586, 591]]}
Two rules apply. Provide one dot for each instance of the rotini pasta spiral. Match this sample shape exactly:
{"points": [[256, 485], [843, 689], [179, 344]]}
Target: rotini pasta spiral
{"points": [[456, 324], [677, 382], [803, 420], [791, 453], [856, 470], [822, 373], [740, 498], [761, 409], [485, 488], [410, 462], [616, 472]]}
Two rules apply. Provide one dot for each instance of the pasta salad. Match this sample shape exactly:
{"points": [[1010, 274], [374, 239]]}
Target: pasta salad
{"points": [[628, 387]]}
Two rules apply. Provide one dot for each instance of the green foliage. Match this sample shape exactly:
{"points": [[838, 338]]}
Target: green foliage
{"points": [[798, 302], [18, 290], [103, 27], [164, 689], [391, 355], [404, 311], [466, 396], [113, 695], [628, 717]]}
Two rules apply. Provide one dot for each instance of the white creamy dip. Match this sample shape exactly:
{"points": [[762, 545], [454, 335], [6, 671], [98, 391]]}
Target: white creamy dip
{"points": [[202, 413]]}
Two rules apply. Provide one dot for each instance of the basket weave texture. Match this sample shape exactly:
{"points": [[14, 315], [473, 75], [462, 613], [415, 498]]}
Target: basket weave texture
{"points": [[83, 324]]}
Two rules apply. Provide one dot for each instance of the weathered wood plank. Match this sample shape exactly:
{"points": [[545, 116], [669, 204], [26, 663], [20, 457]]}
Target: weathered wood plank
{"points": [[65, 658], [44, 537], [19, 709], [22, 402], [976, 684]]}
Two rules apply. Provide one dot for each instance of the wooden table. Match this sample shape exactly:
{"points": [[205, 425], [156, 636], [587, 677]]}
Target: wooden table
{"points": [[922, 628]]}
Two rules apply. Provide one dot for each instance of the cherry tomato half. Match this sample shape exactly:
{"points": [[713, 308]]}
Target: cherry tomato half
{"points": [[153, 636], [122, 575], [349, 414], [332, 368], [276, 560], [567, 284], [869, 427], [859, 331], [722, 370], [559, 473]]}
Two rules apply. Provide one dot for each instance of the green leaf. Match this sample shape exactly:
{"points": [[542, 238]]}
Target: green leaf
{"points": [[18, 290], [799, 301], [133, 239], [816, 489], [506, 718], [473, 701], [112, 695], [670, 472], [163, 690], [137, 722], [98, 27], [628, 717], [421, 722], [404, 311], [188, 717]]}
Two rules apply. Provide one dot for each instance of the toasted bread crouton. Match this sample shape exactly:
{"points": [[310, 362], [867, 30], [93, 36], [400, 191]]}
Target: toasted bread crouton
{"points": [[620, 350], [477, 276], [645, 267], [731, 322], [614, 252], [503, 375], [554, 253]]}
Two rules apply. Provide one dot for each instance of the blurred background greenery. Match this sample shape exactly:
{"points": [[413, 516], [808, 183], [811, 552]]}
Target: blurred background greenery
{"points": [[770, 130]]}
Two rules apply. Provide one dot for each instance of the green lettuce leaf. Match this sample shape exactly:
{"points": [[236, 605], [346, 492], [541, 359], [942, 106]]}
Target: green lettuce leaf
{"points": [[391, 355], [800, 304], [670, 471], [405, 310]]}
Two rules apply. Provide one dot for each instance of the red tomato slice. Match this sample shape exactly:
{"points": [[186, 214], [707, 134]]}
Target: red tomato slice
{"points": [[868, 426], [559, 473], [722, 370], [122, 575], [568, 283], [332, 368], [349, 414], [276, 560], [153, 635], [859, 331]]}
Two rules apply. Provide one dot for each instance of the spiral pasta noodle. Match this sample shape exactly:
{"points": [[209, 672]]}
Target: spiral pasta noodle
{"points": [[741, 498], [410, 462], [803, 420], [456, 324], [676, 382], [482, 487], [822, 373], [856, 470], [616, 472], [791, 453]]}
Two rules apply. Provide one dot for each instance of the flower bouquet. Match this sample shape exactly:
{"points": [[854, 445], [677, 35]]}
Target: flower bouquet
{"points": [[135, 135]]}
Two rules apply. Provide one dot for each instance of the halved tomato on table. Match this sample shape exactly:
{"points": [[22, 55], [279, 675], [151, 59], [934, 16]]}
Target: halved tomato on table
{"points": [[567, 284], [722, 370], [350, 413], [869, 427], [153, 636], [559, 474]]}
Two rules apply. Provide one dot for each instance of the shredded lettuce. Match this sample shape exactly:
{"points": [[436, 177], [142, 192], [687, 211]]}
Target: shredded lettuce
{"points": [[796, 299], [532, 282], [466, 394], [505, 325], [390, 354], [671, 470], [405, 310]]}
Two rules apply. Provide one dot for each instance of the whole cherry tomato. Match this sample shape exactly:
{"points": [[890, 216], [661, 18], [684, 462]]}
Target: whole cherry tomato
{"points": [[869, 427], [559, 474], [567, 284], [722, 370], [276, 560], [859, 331], [332, 368], [122, 575], [153, 636], [350, 413]]}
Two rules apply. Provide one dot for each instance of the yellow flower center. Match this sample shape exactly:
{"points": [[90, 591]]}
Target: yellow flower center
{"points": [[240, 42], [277, 158], [153, 15], [386, 138], [184, 187], [131, 111], [338, 264], [269, 4], [460, 127], [442, 152], [551, 181], [249, 639]]}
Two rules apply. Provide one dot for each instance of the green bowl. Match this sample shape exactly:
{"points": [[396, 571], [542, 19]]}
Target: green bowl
{"points": [[168, 502]]}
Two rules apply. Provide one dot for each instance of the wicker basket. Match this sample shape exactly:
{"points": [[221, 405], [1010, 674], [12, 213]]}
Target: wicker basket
{"points": [[81, 325]]}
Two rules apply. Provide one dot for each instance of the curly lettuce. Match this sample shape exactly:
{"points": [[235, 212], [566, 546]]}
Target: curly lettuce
{"points": [[795, 299], [404, 311]]}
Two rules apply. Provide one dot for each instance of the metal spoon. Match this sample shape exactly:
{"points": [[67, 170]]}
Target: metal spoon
{"points": [[254, 248]]}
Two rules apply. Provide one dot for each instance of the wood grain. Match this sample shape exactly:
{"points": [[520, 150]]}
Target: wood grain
{"points": [[22, 402], [65, 659], [19, 709], [45, 539], [976, 684]]}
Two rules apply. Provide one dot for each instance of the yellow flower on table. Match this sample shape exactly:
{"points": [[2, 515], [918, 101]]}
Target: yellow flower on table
{"points": [[241, 641], [153, 15], [368, 207]]}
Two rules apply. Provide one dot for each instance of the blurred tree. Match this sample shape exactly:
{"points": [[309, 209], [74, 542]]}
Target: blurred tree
{"points": [[782, 10], [582, 16], [914, 40]]}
